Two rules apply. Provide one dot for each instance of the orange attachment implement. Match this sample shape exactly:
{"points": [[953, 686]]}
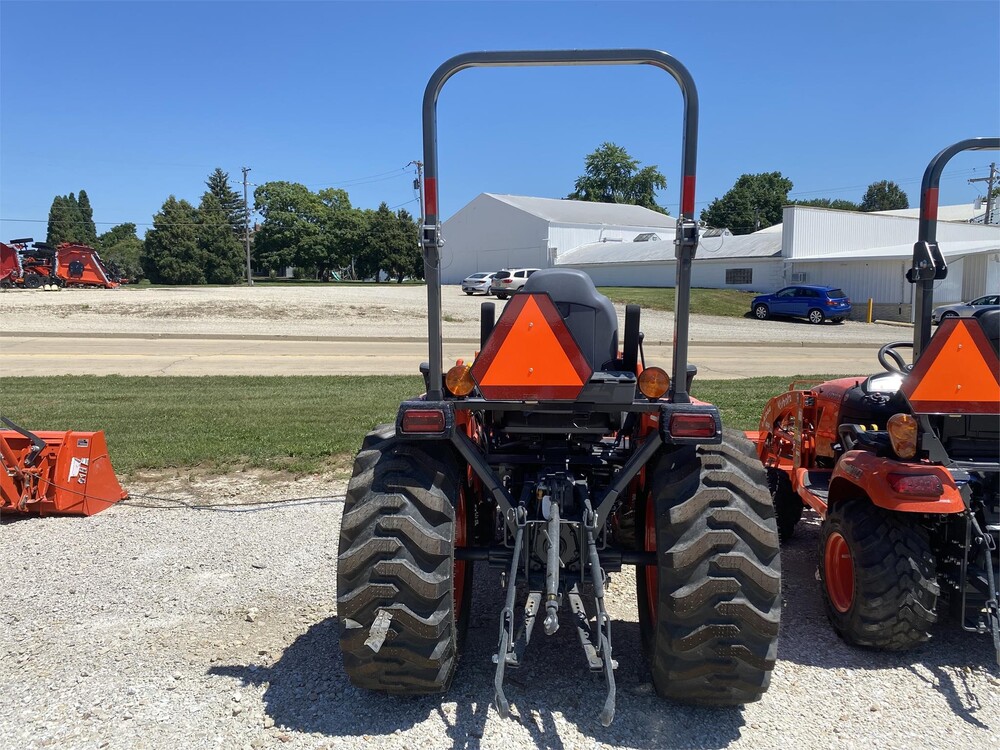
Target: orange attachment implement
{"points": [[56, 473]]}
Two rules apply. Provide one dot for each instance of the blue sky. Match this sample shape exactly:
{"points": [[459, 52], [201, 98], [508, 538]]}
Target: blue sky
{"points": [[135, 101]]}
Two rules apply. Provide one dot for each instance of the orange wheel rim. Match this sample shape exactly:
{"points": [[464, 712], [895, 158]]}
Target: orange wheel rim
{"points": [[839, 566], [649, 544]]}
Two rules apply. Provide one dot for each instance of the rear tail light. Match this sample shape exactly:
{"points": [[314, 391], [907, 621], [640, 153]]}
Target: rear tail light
{"points": [[423, 421], [921, 485], [506, 281], [692, 425]]}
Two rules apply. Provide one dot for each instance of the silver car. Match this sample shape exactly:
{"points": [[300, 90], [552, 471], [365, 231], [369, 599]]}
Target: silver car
{"points": [[478, 282], [965, 309]]}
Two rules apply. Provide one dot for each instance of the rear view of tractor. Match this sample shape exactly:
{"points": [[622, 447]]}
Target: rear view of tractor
{"points": [[558, 455], [903, 467]]}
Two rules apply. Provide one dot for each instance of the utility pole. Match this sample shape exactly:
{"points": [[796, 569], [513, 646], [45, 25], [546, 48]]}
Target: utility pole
{"points": [[989, 191], [418, 185], [246, 224]]}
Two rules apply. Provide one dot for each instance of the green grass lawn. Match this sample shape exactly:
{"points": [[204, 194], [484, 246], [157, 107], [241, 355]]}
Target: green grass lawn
{"points": [[296, 424], [728, 302]]}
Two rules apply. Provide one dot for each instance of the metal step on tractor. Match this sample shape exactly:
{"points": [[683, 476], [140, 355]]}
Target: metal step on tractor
{"points": [[559, 456], [903, 467]]}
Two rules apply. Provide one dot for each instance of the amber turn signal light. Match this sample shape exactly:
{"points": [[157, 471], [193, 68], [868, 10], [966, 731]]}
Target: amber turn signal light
{"points": [[903, 435], [459, 380], [653, 382]]}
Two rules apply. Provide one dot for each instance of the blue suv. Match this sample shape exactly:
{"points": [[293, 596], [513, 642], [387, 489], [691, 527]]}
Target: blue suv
{"points": [[815, 303]]}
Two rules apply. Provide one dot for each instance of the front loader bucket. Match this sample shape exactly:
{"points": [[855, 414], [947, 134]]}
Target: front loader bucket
{"points": [[61, 473]]}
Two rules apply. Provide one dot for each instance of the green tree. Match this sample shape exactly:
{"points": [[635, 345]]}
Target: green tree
{"points": [[232, 205], [67, 222], [884, 196], [753, 202], [223, 257], [171, 252], [87, 227], [292, 232], [612, 176], [836, 203], [120, 246]]}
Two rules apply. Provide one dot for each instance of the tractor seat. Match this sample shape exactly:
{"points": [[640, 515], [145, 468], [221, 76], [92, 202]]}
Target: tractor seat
{"points": [[589, 315]]}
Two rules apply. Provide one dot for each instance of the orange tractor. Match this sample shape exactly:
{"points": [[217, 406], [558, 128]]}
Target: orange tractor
{"points": [[559, 456], [903, 467]]}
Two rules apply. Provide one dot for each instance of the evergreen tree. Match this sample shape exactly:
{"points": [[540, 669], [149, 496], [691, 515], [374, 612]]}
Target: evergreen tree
{"points": [[171, 252], [231, 203], [66, 222], [218, 247], [88, 230]]}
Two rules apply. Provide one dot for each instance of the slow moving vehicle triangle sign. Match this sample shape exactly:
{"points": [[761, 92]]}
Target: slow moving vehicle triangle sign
{"points": [[531, 354], [956, 374]]}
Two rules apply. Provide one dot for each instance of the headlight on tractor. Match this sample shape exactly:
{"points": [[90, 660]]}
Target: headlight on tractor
{"points": [[903, 435]]}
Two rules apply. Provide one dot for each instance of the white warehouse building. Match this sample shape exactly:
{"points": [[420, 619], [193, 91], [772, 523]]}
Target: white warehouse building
{"points": [[513, 231], [866, 254]]}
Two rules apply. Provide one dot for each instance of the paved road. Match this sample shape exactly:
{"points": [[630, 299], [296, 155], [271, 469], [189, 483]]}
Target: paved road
{"points": [[34, 356]]}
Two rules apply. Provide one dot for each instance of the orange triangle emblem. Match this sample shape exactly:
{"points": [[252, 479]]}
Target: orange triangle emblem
{"points": [[531, 355], [957, 373]]}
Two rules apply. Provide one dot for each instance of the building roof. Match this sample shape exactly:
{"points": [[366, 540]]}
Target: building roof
{"points": [[587, 212], [961, 212], [761, 244], [890, 252]]}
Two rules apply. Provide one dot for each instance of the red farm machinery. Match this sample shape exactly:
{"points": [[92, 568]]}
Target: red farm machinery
{"points": [[903, 467], [55, 473], [31, 265], [558, 456]]}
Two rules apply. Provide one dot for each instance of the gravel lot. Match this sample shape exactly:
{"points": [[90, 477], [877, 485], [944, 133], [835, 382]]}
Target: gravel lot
{"points": [[346, 310], [205, 629], [217, 628]]}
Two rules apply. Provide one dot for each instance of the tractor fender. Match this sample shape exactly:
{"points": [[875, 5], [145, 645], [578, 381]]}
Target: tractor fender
{"points": [[862, 470]]}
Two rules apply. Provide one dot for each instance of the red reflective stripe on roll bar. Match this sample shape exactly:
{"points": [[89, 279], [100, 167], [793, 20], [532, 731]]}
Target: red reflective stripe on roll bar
{"points": [[688, 196], [930, 207], [430, 196]]}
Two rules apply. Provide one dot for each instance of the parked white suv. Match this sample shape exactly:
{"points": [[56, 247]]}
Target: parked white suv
{"points": [[510, 280]]}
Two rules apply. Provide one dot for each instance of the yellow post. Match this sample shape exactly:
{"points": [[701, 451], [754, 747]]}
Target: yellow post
{"points": [[871, 304]]}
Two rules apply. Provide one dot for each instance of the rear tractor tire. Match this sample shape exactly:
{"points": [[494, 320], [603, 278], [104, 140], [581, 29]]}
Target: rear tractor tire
{"points": [[878, 576], [709, 610], [402, 599], [788, 505]]}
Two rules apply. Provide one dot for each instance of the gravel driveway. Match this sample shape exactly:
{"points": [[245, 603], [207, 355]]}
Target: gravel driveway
{"points": [[388, 310], [218, 628]]}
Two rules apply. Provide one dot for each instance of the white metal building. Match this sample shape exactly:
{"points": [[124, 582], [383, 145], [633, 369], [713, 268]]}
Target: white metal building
{"points": [[750, 262], [865, 254], [513, 231]]}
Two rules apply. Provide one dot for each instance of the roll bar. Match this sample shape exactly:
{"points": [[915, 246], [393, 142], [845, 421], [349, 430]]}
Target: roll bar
{"points": [[686, 241], [928, 262]]}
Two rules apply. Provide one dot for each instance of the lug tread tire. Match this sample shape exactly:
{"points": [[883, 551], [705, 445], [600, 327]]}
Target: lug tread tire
{"points": [[788, 505], [716, 634], [397, 555], [895, 577]]}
